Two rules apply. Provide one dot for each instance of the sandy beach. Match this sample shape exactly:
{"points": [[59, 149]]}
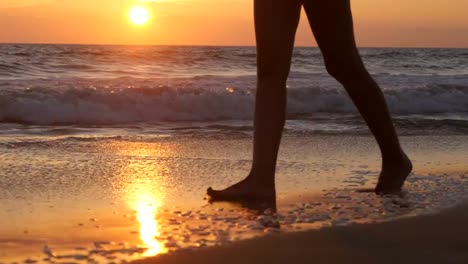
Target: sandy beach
{"points": [[148, 198], [440, 238]]}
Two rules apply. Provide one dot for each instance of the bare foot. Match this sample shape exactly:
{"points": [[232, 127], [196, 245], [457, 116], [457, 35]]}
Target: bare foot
{"points": [[245, 190], [393, 176]]}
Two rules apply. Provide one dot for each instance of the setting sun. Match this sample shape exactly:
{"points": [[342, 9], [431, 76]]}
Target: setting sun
{"points": [[139, 15]]}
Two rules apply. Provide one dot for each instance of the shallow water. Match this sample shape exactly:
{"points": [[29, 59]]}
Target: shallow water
{"points": [[107, 198]]}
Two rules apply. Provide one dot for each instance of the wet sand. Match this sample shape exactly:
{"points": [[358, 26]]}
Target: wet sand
{"points": [[119, 199], [441, 238]]}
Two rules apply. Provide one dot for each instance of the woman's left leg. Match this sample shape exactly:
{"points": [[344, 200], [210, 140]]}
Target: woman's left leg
{"points": [[332, 24]]}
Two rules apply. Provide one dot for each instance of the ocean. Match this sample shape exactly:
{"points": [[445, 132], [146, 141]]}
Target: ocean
{"points": [[212, 89], [106, 151]]}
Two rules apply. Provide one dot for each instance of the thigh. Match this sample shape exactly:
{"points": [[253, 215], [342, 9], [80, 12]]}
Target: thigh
{"points": [[332, 24], [275, 28]]}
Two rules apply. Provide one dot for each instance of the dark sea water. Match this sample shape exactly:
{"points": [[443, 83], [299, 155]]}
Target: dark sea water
{"points": [[170, 89]]}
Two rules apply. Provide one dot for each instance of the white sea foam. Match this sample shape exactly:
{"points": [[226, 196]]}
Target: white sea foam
{"points": [[117, 106], [62, 84]]}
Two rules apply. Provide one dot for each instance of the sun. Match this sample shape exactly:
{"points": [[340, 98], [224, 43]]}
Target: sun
{"points": [[139, 15]]}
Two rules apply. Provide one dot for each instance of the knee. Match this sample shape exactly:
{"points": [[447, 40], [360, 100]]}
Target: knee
{"points": [[271, 86], [344, 68], [272, 75]]}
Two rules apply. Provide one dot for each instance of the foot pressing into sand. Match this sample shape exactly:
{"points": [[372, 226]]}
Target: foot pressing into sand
{"points": [[393, 175], [247, 189]]}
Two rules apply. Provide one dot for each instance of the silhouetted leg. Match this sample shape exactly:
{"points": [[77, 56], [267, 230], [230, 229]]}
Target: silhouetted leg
{"points": [[332, 24], [275, 27]]}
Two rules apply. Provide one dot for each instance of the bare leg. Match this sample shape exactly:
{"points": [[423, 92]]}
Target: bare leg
{"points": [[275, 27], [332, 24]]}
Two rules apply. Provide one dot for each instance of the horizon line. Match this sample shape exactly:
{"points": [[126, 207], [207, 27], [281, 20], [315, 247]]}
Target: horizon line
{"points": [[213, 45]]}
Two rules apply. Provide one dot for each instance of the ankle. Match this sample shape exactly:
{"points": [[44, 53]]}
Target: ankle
{"points": [[394, 155], [395, 160], [261, 181]]}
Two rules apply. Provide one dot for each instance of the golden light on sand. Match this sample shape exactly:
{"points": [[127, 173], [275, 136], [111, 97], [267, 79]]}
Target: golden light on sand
{"points": [[142, 178], [139, 15], [146, 206]]}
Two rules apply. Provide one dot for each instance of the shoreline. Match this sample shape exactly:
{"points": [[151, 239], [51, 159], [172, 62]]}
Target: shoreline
{"points": [[120, 199], [439, 238]]}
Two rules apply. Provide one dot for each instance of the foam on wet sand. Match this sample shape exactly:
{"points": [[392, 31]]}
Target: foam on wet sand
{"points": [[440, 238], [124, 226]]}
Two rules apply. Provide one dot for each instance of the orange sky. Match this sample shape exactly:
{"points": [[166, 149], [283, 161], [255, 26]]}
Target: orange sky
{"points": [[400, 23]]}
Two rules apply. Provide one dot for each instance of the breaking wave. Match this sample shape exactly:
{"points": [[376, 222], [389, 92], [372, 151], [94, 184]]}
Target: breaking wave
{"points": [[129, 105]]}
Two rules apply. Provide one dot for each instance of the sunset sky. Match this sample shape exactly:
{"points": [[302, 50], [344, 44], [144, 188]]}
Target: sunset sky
{"points": [[389, 23]]}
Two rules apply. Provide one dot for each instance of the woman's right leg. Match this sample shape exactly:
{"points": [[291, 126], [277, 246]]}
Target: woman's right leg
{"points": [[275, 28]]}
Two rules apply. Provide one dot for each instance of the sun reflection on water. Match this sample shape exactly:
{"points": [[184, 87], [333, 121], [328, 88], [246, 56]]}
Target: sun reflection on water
{"points": [[143, 178], [146, 206]]}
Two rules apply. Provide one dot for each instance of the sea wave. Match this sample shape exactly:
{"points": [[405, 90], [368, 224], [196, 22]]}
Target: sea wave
{"points": [[85, 106]]}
